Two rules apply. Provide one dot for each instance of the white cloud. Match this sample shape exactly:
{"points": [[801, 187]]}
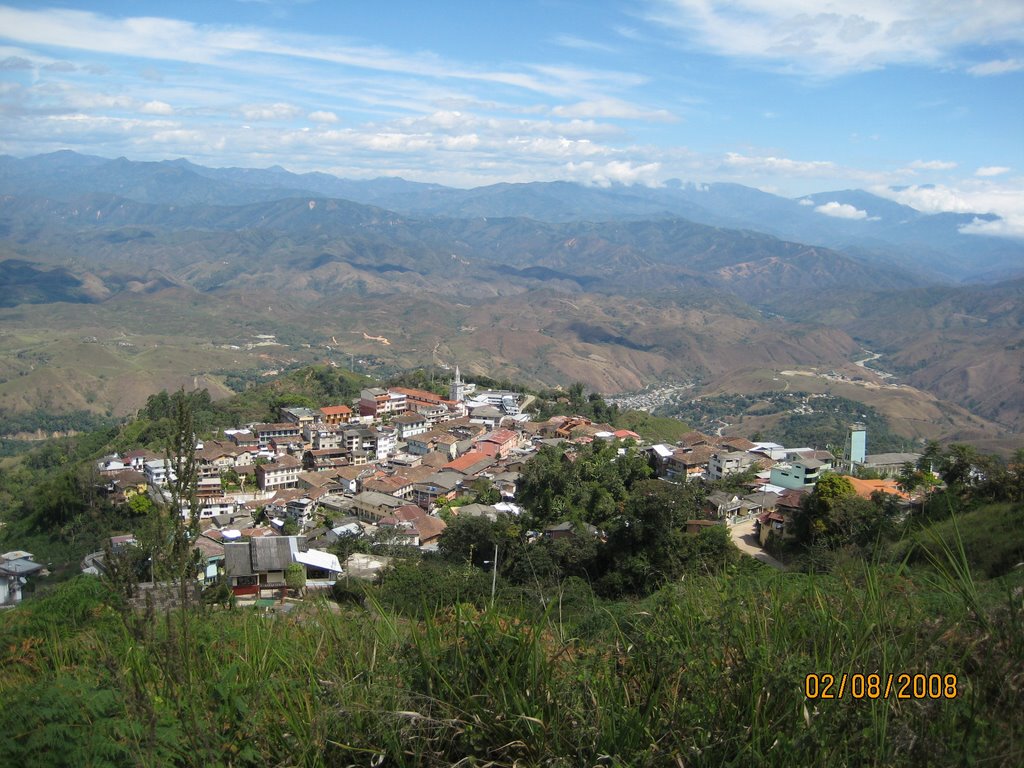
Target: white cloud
{"points": [[779, 165], [841, 211], [933, 165], [614, 172], [805, 201], [833, 37], [999, 67], [323, 116], [972, 196], [235, 47], [612, 108], [12, 63], [579, 44], [156, 108], [992, 170], [279, 111]]}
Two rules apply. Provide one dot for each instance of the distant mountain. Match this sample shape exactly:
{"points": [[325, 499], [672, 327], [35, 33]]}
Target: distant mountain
{"points": [[964, 343], [872, 228], [657, 257], [550, 282]]}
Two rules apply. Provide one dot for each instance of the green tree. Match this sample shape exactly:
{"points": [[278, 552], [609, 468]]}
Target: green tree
{"points": [[485, 492], [814, 523], [295, 577], [645, 547], [473, 539]]}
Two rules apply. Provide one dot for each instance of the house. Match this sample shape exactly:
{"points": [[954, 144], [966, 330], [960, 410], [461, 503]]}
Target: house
{"points": [[470, 463], [326, 459], [243, 438], [788, 504], [657, 457], [108, 465], [321, 437], [372, 506], [280, 433], [322, 568], [336, 414], [377, 402], [723, 463], [409, 424], [689, 463], [479, 510], [722, 506], [394, 485], [258, 565], [437, 488], [300, 416], [799, 472], [386, 441], [278, 474], [487, 415], [504, 399], [15, 568], [159, 472], [137, 459], [695, 438], [499, 443]]}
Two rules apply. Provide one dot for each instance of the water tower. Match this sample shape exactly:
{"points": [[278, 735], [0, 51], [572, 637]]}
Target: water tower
{"points": [[856, 445]]}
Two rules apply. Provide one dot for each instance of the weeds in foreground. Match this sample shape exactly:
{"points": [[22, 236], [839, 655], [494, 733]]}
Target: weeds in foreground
{"points": [[707, 672]]}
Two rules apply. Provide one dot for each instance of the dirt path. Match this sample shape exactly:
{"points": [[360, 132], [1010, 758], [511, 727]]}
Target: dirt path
{"points": [[745, 541]]}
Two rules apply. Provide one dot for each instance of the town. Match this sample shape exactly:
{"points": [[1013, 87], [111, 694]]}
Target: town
{"points": [[394, 467]]}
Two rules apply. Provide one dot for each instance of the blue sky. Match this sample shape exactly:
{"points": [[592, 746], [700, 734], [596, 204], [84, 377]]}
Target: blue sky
{"points": [[920, 100]]}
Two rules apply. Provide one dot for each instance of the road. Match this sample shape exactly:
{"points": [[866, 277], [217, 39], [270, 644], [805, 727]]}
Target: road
{"points": [[745, 541]]}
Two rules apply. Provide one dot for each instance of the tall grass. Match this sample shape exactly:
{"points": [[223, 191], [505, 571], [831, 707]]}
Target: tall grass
{"points": [[707, 672]]}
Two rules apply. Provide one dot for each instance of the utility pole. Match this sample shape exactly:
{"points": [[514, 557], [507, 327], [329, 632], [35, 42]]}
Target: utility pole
{"points": [[494, 575]]}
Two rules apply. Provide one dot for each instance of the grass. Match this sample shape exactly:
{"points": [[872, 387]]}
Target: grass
{"points": [[707, 672]]}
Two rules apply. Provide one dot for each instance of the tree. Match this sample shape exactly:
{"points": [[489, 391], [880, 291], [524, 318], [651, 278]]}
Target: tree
{"points": [[485, 491], [295, 577], [473, 539], [645, 546], [814, 523], [958, 466]]}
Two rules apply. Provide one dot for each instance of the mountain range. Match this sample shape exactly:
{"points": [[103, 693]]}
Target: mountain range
{"points": [[619, 287]]}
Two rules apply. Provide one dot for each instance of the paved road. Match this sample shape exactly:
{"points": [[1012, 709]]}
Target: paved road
{"points": [[745, 541]]}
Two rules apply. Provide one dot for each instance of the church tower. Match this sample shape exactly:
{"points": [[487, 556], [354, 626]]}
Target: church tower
{"points": [[457, 389]]}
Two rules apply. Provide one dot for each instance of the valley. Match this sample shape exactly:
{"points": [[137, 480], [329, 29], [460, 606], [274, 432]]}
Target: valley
{"points": [[109, 299]]}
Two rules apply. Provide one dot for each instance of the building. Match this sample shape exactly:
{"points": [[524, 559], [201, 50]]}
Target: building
{"points": [[799, 472], [372, 506], [15, 568], [279, 474], [409, 424], [335, 414], [889, 464], [457, 389], [723, 463], [378, 402], [281, 432], [300, 416], [259, 565]]}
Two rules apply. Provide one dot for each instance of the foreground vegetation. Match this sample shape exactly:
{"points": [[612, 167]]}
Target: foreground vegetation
{"points": [[708, 671], [639, 645]]}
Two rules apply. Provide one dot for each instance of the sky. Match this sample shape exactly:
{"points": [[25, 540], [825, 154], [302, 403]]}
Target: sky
{"points": [[921, 101]]}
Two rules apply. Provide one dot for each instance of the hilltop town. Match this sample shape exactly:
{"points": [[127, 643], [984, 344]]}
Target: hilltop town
{"points": [[395, 466]]}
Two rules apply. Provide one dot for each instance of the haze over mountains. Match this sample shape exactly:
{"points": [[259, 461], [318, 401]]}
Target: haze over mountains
{"points": [[551, 282], [855, 221]]}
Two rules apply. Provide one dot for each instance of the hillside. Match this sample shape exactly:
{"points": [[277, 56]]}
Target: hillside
{"points": [[197, 273]]}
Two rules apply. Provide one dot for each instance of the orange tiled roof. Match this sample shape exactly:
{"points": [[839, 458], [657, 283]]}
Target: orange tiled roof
{"points": [[865, 488]]}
